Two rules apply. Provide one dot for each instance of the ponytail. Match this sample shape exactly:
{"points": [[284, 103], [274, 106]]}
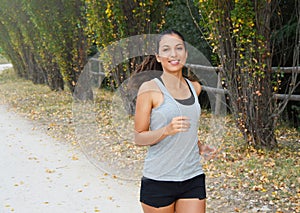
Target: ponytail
{"points": [[149, 63]]}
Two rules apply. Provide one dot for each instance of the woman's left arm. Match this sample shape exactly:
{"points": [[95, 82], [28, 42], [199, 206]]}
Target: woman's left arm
{"points": [[205, 150], [197, 87]]}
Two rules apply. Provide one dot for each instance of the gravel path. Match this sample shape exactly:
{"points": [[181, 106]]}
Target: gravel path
{"points": [[39, 174]]}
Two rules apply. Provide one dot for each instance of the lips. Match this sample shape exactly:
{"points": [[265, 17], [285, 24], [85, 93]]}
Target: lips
{"points": [[174, 62]]}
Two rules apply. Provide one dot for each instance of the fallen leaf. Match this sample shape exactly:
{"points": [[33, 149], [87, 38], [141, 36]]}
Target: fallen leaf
{"points": [[75, 157], [50, 171]]}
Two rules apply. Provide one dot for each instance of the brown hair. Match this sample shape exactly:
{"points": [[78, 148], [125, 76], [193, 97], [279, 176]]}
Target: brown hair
{"points": [[150, 63]]}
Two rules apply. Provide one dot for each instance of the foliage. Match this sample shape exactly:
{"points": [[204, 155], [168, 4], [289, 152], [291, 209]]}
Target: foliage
{"points": [[45, 42], [17, 33], [11, 38], [240, 33], [183, 16], [61, 25], [111, 21], [50, 44]]}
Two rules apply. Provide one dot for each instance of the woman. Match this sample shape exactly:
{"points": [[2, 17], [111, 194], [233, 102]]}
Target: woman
{"points": [[166, 119]]}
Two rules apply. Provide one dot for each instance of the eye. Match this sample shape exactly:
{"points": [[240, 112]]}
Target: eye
{"points": [[179, 48], [165, 49]]}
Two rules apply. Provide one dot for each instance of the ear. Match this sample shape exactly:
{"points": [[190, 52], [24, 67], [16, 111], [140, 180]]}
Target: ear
{"points": [[157, 58]]}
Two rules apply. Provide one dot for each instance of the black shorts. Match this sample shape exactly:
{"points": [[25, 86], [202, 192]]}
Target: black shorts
{"points": [[163, 193]]}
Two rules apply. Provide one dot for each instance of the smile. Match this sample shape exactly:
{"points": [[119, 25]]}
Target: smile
{"points": [[174, 62]]}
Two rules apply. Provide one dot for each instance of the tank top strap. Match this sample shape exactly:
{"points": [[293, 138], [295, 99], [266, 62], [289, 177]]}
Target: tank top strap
{"points": [[192, 88], [161, 86], [165, 91]]}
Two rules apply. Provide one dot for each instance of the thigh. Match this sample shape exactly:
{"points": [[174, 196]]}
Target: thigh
{"points": [[166, 209], [193, 205], [157, 194]]}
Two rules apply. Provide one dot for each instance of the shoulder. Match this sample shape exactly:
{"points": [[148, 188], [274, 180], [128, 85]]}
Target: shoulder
{"points": [[197, 87], [148, 87], [147, 97]]}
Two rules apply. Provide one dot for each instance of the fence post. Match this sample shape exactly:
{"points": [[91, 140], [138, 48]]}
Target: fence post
{"points": [[218, 95], [101, 77]]}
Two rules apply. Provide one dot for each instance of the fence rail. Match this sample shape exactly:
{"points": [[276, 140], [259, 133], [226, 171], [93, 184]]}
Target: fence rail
{"points": [[224, 91], [219, 90], [208, 68]]}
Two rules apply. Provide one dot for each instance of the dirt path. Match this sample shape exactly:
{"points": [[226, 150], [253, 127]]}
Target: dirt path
{"points": [[39, 174]]}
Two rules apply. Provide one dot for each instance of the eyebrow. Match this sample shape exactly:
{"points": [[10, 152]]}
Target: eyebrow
{"points": [[165, 45]]}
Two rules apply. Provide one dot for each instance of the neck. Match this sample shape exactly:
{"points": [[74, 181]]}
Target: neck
{"points": [[175, 80]]}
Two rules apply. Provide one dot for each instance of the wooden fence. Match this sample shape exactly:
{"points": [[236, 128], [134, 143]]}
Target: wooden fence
{"points": [[221, 91]]}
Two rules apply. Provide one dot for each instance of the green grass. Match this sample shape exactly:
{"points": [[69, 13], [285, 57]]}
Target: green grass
{"points": [[240, 179]]}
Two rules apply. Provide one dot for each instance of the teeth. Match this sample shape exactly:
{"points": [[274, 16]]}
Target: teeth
{"points": [[174, 62]]}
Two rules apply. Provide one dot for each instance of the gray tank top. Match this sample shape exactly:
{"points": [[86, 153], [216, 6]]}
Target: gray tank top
{"points": [[176, 157]]}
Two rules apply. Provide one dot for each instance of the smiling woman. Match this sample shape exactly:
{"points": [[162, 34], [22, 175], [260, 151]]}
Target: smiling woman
{"points": [[171, 53], [167, 120]]}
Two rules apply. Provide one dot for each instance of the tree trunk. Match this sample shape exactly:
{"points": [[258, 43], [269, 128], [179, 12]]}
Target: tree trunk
{"points": [[54, 78], [247, 69]]}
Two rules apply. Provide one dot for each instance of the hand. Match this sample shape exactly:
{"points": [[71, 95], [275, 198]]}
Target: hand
{"points": [[206, 151], [178, 124]]}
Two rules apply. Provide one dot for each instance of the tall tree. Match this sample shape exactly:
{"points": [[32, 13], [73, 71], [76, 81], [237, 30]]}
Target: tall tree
{"points": [[23, 45], [61, 24], [11, 38], [110, 21], [240, 32]]}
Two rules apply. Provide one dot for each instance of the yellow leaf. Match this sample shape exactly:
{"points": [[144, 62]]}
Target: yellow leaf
{"points": [[75, 158], [50, 171]]}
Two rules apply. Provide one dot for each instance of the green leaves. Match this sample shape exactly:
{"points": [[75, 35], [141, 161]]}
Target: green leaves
{"points": [[46, 40], [240, 33]]}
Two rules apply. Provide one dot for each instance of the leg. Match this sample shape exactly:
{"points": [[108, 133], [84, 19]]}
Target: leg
{"points": [[166, 209], [193, 205]]}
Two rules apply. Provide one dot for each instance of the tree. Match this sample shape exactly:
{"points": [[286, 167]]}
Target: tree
{"points": [[48, 42], [183, 16], [111, 21], [240, 32], [61, 25], [22, 44], [11, 38]]}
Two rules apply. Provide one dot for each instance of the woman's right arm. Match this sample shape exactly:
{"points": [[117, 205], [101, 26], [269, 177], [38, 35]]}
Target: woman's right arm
{"points": [[144, 104]]}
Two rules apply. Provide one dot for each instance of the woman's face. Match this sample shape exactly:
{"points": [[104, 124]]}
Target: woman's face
{"points": [[171, 53]]}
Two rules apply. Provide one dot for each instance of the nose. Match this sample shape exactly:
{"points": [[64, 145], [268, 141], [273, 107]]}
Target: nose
{"points": [[173, 53]]}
